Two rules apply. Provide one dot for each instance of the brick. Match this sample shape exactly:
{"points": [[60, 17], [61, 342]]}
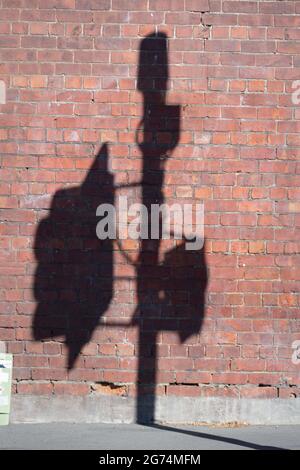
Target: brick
{"points": [[240, 7], [167, 5], [25, 388], [77, 389], [92, 5], [197, 5]]}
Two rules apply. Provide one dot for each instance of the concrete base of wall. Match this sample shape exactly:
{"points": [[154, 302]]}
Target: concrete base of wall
{"points": [[181, 410]]}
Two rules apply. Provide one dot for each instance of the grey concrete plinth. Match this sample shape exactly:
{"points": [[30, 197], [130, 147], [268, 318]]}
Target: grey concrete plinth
{"points": [[174, 410]]}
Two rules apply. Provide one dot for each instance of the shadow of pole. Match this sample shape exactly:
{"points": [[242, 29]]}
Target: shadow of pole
{"points": [[228, 440], [75, 274], [182, 273]]}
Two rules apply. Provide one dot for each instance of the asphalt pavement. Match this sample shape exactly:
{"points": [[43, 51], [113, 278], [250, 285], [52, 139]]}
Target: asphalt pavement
{"points": [[157, 437]]}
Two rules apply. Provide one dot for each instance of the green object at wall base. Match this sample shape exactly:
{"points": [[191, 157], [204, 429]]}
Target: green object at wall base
{"points": [[4, 419], [6, 362]]}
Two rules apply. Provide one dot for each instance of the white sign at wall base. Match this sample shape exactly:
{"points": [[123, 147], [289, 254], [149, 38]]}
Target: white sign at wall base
{"points": [[6, 362]]}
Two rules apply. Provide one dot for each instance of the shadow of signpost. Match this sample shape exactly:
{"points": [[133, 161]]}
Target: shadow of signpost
{"points": [[74, 277], [73, 282], [170, 293]]}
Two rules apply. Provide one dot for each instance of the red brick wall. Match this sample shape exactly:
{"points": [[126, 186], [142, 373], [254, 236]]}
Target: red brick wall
{"points": [[70, 68]]}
